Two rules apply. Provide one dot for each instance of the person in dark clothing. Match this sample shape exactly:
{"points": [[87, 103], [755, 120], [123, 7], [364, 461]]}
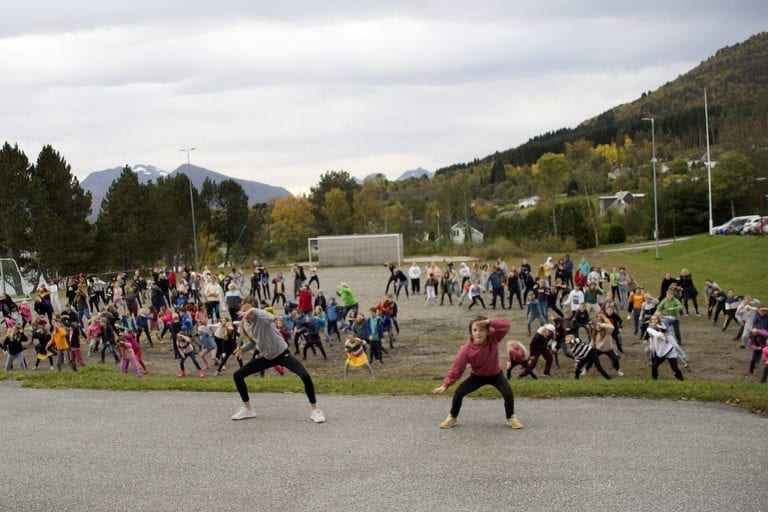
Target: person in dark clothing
{"points": [[495, 283], [514, 286]]}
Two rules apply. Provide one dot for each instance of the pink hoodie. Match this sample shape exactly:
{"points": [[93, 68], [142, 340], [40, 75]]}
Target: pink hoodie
{"points": [[483, 359]]}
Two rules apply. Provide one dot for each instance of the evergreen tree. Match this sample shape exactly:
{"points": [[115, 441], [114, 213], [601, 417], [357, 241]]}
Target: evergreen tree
{"points": [[173, 216], [230, 219], [15, 175], [498, 174], [124, 234], [59, 210]]}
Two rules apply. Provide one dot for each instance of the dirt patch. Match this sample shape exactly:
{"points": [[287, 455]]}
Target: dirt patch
{"points": [[430, 335]]}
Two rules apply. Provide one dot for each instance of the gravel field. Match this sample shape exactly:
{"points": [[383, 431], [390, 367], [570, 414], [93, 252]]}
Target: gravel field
{"points": [[430, 336]]}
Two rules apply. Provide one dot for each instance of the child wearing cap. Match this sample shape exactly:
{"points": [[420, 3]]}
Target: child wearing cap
{"points": [[481, 354]]}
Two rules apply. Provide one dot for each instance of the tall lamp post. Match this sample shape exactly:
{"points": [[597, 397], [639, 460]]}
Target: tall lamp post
{"points": [[761, 180], [655, 204], [192, 206]]}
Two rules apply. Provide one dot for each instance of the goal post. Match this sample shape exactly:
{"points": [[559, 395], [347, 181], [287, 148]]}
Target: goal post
{"points": [[351, 250], [11, 280]]}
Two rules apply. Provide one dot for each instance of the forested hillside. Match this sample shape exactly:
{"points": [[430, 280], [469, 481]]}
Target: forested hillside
{"points": [[736, 79]]}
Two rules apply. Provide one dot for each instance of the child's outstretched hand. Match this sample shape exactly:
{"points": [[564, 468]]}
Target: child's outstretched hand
{"points": [[439, 389]]}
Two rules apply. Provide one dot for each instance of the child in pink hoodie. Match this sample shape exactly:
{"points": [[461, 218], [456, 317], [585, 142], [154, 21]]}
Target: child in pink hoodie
{"points": [[127, 354], [481, 353]]}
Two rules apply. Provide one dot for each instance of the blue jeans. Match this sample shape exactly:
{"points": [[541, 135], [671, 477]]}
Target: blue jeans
{"points": [[83, 313], [20, 357], [111, 347]]}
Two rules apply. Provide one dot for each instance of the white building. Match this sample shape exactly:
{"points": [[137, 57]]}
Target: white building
{"points": [[528, 202], [459, 233]]}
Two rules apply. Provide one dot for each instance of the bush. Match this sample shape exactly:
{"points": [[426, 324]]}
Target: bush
{"points": [[611, 234], [547, 244], [500, 246]]}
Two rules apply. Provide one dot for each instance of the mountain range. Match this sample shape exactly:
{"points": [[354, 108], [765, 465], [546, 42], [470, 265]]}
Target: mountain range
{"points": [[98, 183]]}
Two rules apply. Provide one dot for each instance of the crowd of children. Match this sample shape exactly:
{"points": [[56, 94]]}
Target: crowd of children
{"points": [[574, 310]]}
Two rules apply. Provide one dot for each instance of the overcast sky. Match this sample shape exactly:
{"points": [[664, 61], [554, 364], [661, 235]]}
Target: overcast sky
{"points": [[280, 92]]}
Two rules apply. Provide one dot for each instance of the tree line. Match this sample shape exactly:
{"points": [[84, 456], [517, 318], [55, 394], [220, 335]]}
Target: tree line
{"points": [[45, 222]]}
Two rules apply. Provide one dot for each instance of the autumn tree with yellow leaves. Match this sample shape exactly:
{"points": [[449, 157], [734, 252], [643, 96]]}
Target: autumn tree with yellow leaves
{"points": [[291, 222]]}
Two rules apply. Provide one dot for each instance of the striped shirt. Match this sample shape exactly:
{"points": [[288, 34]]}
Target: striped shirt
{"points": [[580, 349]]}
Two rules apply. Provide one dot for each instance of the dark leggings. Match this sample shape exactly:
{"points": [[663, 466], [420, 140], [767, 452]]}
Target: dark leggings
{"points": [[611, 355], [730, 316], [515, 293], [656, 362], [695, 305], [474, 382], [312, 344], [333, 327], [524, 364], [475, 300], [225, 356], [285, 360], [547, 355], [50, 361], [591, 359], [145, 330]]}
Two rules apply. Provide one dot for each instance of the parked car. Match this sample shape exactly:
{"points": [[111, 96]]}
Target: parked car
{"points": [[737, 223], [732, 225], [756, 226], [722, 229]]}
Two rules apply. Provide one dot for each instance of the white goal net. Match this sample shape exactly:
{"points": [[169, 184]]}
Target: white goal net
{"points": [[350, 250]]}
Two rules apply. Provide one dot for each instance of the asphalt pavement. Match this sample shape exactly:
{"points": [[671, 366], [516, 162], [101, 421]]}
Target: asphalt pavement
{"points": [[79, 450]]}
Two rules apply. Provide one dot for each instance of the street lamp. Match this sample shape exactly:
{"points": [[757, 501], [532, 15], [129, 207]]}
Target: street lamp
{"points": [[655, 205], [192, 206], [761, 180]]}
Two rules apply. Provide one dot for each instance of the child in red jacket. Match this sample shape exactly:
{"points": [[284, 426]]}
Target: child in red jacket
{"points": [[481, 353]]}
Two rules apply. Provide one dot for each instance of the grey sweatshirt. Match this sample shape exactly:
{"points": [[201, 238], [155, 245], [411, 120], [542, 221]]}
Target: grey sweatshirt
{"points": [[259, 326]]}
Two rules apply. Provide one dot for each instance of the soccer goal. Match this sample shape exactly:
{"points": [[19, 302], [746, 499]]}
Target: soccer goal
{"points": [[11, 281], [355, 249]]}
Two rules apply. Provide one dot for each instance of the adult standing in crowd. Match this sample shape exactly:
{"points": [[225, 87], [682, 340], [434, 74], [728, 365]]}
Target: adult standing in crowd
{"points": [[414, 274], [689, 291], [348, 298], [213, 298]]}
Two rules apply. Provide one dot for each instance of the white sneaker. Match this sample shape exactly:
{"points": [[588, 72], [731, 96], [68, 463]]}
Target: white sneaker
{"points": [[620, 373], [243, 413], [317, 416]]}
